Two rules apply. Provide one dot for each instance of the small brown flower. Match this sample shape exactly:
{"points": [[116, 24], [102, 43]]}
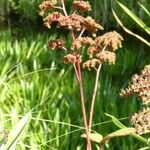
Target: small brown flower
{"points": [[91, 25], [92, 63], [141, 121], [54, 44], [112, 40], [82, 5], [92, 50], [46, 5], [74, 21], [107, 56], [53, 17], [140, 86], [72, 58], [81, 41]]}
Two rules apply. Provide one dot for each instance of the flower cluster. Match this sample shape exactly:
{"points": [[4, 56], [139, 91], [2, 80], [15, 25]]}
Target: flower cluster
{"points": [[107, 56], [46, 5], [81, 41], [141, 121], [112, 40], [92, 63], [140, 86], [72, 58], [82, 5], [99, 49], [55, 44], [91, 25]]}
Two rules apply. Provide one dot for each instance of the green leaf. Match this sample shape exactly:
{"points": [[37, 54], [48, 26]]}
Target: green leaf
{"points": [[95, 137], [17, 130], [116, 121], [120, 132], [120, 125], [145, 9], [135, 18], [128, 31]]}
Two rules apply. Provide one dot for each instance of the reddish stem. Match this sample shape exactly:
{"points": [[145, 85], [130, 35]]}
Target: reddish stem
{"points": [[83, 106], [94, 96], [94, 93]]}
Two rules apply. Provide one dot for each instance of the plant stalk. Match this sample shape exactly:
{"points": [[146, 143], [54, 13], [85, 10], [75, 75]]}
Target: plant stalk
{"points": [[94, 96], [79, 76]]}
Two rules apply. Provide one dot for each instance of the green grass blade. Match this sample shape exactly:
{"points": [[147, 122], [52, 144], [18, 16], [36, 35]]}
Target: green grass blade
{"points": [[135, 18], [17, 130], [128, 31], [145, 9]]}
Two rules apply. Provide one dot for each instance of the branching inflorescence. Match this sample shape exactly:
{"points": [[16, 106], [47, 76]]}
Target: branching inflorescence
{"points": [[140, 86], [99, 49]]}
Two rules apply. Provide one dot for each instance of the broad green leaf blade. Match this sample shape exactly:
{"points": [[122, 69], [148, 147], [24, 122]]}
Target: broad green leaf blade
{"points": [[120, 132], [145, 9], [120, 125], [135, 18], [95, 137], [17, 130]]}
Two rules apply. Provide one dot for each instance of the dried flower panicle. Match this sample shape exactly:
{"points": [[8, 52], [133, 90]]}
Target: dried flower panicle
{"points": [[92, 50], [81, 41], [107, 56], [53, 17], [91, 25], [140, 86], [83, 6], [74, 21], [92, 63], [56, 44], [46, 5], [72, 58], [141, 121], [111, 40], [77, 23]]}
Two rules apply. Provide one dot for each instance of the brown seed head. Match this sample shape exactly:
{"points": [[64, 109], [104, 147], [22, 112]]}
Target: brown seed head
{"points": [[112, 40], [73, 21], [141, 121], [92, 63], [140, 86], [81, 41], [82, 5], [91, 25], [72, 58], [54, 44], [53, 17], [107, 56], [46, 5], [92, 50]]}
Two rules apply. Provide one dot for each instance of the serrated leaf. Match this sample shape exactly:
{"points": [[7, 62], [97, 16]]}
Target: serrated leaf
{"points": [[120, 132], [135, 18], [17, 130], [95, 137]]}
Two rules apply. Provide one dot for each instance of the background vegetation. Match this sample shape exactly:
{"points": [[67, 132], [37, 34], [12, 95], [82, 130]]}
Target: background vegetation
{"points": [[31, 75]]}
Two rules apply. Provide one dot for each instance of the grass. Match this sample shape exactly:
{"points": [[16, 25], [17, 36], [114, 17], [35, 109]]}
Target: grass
{"points": [[32, 79]]}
